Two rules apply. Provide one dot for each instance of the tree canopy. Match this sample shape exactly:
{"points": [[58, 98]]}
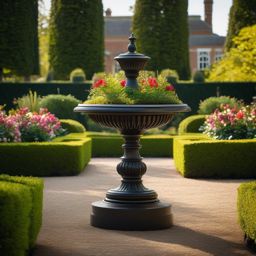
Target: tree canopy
{"points": [[239, 63]]}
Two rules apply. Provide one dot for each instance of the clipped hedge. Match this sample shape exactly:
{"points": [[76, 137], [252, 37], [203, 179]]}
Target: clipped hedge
{"points": [[205, 158], [20, 214], [191, 124], [72, 126], [61, 157], [246, 206], [110, 145]]}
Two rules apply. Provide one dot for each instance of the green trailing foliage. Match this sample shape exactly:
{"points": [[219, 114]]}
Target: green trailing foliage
{"points": [[242, 14], [19, 37], [162, 31], [76, 37], [209, 105], [72, 126], [201, 157], [246, 206], [36, 159], [191, 124], [20, 213]]}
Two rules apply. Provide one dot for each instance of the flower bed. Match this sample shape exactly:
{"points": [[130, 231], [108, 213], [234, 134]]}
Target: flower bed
{"points": [[246, 206], [206, 158], [20, 213], [57, 158]]}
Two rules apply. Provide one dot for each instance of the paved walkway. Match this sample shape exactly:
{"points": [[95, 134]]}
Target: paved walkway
{"points": [[205, 218]]}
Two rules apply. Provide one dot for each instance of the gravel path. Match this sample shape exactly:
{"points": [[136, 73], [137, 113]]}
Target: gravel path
{"points": [[205, 217]]}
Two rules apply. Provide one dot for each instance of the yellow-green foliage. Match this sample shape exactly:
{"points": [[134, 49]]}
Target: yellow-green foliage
{"points": [[72, 126], [246, 206], [239, 63], [61, 157], [204, 158], [191, 124], [36, 186], [20, 214]]}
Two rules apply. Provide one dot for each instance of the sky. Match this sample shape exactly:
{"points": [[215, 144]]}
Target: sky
{"points": [[196, 7]]}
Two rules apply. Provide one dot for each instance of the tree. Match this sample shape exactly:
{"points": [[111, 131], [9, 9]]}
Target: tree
{"points": [[18, 37], [76, 37], [242, 14], [162, 31], [239, 63]]}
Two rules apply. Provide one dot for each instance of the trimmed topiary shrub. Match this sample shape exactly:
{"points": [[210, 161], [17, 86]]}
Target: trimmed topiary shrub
{"points": [[61, 105], [198, 77], [72, 126], [208, 106], [77, 76], [206, 158], [35, 186], [191, 124], [62, 157], [20, 213], [246, 206]]}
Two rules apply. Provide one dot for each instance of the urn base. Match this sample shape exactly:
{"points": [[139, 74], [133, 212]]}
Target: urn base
{"points": [[140, 216]]}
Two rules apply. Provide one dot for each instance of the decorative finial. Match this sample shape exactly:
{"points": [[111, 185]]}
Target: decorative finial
{"points": [[131, 45]]}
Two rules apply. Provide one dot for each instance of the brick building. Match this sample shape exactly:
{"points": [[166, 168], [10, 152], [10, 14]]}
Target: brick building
{"points": [[205, 47]]}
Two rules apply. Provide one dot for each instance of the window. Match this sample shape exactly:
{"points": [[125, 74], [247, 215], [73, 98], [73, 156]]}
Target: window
{"points": [[218, 54], [203, 58]]}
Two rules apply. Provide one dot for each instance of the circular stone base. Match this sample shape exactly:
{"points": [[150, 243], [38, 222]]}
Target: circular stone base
{"points": [[150, 216]]}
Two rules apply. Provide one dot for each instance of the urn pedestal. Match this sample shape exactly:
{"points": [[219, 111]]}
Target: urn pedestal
{"points": [[131, 206]]}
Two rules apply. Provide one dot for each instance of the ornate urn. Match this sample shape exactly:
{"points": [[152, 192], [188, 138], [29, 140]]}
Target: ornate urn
{"points": [[131, 206]]}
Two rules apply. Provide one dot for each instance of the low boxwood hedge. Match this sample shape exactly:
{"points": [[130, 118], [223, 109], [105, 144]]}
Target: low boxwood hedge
{"points": [[191, 124], [246, 206], [20, 214], [205, 158], [110, 145], [61, 157], [72, 126]]}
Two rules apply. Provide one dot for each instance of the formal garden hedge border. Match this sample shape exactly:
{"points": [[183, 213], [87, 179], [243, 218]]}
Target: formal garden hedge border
{"points": [[199, 157], [62, 157], [191, 124], [21, 200]]}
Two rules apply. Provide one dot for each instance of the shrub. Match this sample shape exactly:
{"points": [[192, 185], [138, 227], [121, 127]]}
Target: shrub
{"points": [[30, 101], [77, 76], [61, 157], [72, 126], [191, 124], [231, 123], [36, 190], [61, 105], [15, 207], [207, 158], [246, 206], [209, 105], [198, 77]]}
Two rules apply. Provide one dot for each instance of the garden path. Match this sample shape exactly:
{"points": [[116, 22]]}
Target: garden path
{"points": [[205, 216]]}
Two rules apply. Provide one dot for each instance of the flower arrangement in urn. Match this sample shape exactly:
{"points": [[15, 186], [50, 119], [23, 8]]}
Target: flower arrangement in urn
{"points": [[111, 89]]}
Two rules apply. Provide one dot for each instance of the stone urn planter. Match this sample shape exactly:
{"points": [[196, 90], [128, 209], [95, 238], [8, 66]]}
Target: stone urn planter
{"points": [[131, 206]]}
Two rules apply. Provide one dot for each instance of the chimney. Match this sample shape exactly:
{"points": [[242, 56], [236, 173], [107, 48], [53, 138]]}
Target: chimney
{"points": [[208, 11], [108, 12]]}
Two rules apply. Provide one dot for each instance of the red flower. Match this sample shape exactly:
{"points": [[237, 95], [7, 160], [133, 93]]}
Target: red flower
{"points": [[240, 114], [99, 83], [123, 83], [169, 88], [152, 82]]}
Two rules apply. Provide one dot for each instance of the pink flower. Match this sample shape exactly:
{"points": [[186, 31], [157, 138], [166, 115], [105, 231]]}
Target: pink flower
{"points": [[123, 83], [169, 88]]}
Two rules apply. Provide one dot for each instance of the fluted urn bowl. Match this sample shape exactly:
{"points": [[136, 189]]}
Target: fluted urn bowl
{"points": [[131, 206]]}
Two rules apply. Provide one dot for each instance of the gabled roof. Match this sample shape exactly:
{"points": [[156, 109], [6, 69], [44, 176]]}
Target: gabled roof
{"points": [[198, 26], [118, 25], [206, 40]]}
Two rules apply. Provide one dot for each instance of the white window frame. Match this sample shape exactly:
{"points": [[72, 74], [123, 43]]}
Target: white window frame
{"points": [[202, 64], [218, 54]]}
